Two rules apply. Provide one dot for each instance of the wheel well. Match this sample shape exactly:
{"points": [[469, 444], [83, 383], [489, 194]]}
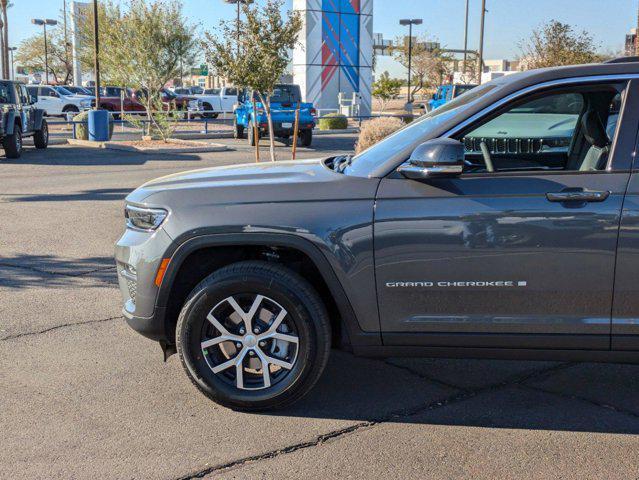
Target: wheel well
{"points": [[201, 263], [70, 107]]}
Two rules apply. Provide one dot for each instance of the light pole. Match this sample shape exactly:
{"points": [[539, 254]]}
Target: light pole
{"points": [[96, 46], [410, 22], [466, 36], [12, 74], [44, 23], [481, 39], [239, 3]]}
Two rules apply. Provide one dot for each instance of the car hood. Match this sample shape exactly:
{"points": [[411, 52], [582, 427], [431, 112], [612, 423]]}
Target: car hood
{"points": [[287, 181]]}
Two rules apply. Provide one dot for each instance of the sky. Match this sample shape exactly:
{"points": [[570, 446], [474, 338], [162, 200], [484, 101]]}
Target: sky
{"points": [[507, 21]]}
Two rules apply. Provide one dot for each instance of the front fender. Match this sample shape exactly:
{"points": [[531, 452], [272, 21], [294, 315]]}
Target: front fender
{"points": [[9, 122], [37, 120], [187, 245]]}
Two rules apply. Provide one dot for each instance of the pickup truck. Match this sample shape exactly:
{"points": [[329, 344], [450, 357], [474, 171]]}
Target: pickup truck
{"points": [[214, 100], [446, 93], [113, 102], [20, 118], [58, 100], [283, 104]]}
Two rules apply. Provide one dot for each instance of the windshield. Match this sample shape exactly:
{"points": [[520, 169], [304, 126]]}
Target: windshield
{"points": [[405, 140], [62, 91], [283, 94]]}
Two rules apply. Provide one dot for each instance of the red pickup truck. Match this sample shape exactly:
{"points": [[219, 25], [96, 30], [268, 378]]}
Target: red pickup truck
{"points": [[112, 101]]}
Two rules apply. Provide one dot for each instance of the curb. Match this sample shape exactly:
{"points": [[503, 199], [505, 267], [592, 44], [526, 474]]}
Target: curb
{"points": [[206, 147], [336, 132]]}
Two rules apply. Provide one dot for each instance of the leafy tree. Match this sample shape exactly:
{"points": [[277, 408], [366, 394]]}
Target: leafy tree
{"points": [[429, 65], [263, 53], [555, 44], [141, 47], [385, 89], [30, 54]]}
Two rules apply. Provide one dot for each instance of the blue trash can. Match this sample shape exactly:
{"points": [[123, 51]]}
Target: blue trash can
{"points": [[98, 125]]}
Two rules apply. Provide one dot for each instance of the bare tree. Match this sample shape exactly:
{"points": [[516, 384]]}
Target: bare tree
{"points": [[555, 44], [264, 52]]}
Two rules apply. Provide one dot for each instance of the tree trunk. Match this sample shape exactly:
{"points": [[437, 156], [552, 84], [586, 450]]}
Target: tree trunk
{"points": [[266, 102]]}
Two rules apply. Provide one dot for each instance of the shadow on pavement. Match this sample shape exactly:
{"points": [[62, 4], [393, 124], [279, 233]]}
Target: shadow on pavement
{"points": [[67, 155], [24, 271], [100, 194], [506, 394]]}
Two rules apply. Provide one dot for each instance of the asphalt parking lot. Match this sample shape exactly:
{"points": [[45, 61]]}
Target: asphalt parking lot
{"points": [[83, 396]]}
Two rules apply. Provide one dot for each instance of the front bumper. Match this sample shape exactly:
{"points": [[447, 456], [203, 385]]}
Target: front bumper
{"points": [[286, 128], [138, 257]]}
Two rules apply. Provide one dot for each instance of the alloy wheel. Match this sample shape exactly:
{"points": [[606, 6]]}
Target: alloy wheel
{"points": [[249, 341]]}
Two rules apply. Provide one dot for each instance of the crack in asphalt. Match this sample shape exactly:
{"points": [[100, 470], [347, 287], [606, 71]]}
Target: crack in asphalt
{"points": [[57, 327], [571, 396], [423, 376], [64, 274], [462, 395]]}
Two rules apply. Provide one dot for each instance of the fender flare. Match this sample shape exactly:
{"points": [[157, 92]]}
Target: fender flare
{"points": [[187, 244], [38, 115], [10, 121]]}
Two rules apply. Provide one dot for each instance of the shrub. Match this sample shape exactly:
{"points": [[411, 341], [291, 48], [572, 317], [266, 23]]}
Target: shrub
{"points": [[376, 130], [82, 129], [333, 121]]}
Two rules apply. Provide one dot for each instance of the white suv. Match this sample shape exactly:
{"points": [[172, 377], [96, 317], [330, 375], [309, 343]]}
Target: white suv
{"points": [[58, 100]]}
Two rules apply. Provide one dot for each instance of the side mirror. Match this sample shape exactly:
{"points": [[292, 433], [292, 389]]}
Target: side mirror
{"points": [[437, 158], [33, 99]]}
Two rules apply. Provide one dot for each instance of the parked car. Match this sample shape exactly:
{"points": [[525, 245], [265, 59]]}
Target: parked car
{"points": [[216, 101], [82, 91], [283, 104], [172, 101], [112, 101], [417, 246], [20, 118], [446, 93], [58, 100]]}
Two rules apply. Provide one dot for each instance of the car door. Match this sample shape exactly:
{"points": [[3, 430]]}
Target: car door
{"points": [[50, 101], [229, 98], [520, 257]]}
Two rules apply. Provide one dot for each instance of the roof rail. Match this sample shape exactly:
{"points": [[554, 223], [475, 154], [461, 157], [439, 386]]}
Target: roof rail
{"points": [[623, 60]]}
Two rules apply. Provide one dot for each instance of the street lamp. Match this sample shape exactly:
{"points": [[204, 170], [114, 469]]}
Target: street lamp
{"points": [[239, 3], [11, 50], [410, 22], [44, 23]]}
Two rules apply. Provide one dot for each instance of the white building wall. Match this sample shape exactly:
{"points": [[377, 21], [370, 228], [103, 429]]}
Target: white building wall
{"points": [[336, 51]]}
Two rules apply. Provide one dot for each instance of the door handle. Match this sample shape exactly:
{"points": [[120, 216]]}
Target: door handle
{"points": [[578, 195]]}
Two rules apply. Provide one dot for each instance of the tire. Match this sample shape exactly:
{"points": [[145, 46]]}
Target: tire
{"points": [[251, 135], [207, 106], [12, 144], [306, 137], [305, 318], [41, 137], [70, 109], [238, 130]]}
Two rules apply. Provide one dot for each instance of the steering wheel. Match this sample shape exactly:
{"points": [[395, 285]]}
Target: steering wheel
{"points": [[487, 158]]}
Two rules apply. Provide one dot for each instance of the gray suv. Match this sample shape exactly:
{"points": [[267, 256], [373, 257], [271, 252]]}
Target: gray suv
{"points": [[504, 224]]}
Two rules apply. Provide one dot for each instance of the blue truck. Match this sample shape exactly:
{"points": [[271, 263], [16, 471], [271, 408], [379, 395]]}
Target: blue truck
{"points": [[283, 104], [445, 93]]}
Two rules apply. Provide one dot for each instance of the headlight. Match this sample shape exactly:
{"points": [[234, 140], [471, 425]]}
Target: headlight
{"points": [[85, 103], [147, 219]]}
